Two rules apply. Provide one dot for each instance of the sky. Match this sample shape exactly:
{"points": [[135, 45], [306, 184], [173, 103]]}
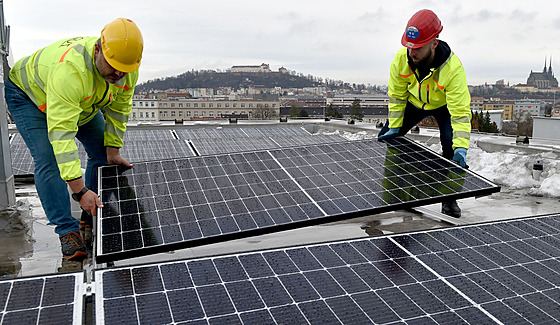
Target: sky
{"points": [[351, 40]]}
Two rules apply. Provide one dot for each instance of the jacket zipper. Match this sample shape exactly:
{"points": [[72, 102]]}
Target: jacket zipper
{"points": [[101, 100]]}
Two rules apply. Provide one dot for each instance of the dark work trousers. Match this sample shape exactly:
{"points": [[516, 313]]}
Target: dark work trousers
{"points": [[413, 116]]}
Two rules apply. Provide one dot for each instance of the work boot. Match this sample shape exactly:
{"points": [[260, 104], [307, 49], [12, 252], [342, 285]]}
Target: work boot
{"points": [[86, 227], [73, 247], [451, 208]]}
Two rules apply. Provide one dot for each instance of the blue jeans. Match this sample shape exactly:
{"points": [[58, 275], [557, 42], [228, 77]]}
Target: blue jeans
{"points": [[413, 116], [52, 189]]}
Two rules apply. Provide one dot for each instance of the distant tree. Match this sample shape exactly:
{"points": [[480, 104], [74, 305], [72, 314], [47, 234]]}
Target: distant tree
{"points": [[264, 113], [303, 113], [524, 122], [333, 112], [294, 111], [356, 110], [486, 122]]}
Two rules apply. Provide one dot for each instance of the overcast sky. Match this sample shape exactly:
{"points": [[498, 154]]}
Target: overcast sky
{"points": [[350, 40]]}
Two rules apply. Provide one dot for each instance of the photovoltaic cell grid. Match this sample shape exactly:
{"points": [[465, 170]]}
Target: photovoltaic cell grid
{"points": [[144, 150], [148, 135], [164, 205], [22, 162], [140, 145], [503, 272], [228, 140], [42, 300]]}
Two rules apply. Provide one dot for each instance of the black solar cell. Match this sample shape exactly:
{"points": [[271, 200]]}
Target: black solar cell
{"points": [[372, 280], [163, 205]]}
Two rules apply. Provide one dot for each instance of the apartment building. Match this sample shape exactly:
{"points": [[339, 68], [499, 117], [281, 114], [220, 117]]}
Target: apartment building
{"points": [[182, 109], [507, 106], [532, 107]]}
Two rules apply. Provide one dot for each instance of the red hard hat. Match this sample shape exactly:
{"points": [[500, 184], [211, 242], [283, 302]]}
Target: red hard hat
{"points": [[423, 27]]}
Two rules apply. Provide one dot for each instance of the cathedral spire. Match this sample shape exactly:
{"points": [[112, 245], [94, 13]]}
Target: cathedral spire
{"points": [[550, 66], [544, 69]]}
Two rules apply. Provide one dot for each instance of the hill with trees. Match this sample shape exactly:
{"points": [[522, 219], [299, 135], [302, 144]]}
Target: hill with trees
{"points": [[236, 80]]}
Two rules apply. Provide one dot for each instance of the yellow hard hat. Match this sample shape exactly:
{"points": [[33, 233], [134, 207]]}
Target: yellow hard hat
{"points": [[122, 45]]}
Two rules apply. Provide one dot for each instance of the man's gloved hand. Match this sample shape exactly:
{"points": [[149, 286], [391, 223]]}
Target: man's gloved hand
{"points": [[460, 156], [389, 134]]}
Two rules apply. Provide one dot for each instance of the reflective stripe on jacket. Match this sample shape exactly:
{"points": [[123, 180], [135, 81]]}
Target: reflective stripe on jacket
{"points": [[63, 81], [445, 85]]}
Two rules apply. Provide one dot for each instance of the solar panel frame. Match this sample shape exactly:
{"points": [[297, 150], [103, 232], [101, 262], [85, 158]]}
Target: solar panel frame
{"points": [[52, 299], [368, 280], [264, 191]]}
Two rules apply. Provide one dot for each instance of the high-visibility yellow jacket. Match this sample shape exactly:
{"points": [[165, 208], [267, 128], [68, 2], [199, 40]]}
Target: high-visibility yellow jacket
{"points": [[444, 85], [63, 81]]}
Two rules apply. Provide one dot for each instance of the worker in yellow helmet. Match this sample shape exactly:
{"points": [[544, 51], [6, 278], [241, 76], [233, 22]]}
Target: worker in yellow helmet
{"points": [[428, 79], [77, 88]]}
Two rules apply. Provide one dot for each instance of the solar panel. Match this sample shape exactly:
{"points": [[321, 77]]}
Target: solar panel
{"points": [[22, 162], [55, 299], [140, 145], [148, 135], [503, 272], [164, 205], [143, 150]]}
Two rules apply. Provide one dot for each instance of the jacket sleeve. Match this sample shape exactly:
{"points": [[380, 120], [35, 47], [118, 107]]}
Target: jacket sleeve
{"points": [[116, 114], [398, 91], [458, 103], [65, 89]]}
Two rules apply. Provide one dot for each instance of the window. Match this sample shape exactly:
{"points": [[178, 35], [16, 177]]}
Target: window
{"points": [[219, 113], [188, 113], [211, 114], [172, 113], [172, 104], [180, 113], [211, 105], [203, 113], [219, 105], [188, 104], [242, 105], [152, 104], [164, 104], [202, 105], [140, 104], [133, 114], [180, 105], [195, 105], [153, 114], [227, 105], [141, 114], [195, 113]]}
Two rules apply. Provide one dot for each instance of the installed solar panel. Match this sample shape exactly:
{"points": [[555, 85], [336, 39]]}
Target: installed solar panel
{"points": [[42, 300], [164, 205], [148, 135], [143, 150], [22, 162], [504, 272], [140, 145]]}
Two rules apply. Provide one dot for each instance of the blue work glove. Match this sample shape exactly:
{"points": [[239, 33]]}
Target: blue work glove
{"points": [[460, 156], [389, 134]]}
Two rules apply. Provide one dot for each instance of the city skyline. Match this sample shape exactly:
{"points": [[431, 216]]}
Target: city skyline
{"points": [[354, 41]]}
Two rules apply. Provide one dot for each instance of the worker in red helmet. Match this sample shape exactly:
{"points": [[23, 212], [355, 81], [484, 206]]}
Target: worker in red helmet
{"points": [[428, 79]]}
